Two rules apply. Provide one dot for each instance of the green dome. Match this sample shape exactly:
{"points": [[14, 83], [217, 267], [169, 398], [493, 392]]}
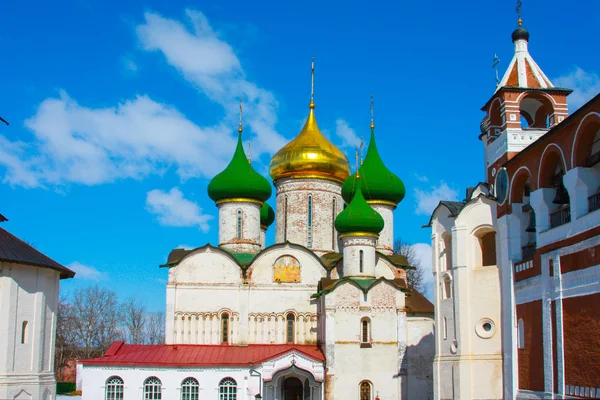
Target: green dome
{"points": [[239, 180], [267, 215], [377, 182], [358, 216]]}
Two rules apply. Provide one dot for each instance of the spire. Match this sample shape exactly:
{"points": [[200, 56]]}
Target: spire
{"points": [[240, 127], [519, 20], [372, 114], [312, 85]]}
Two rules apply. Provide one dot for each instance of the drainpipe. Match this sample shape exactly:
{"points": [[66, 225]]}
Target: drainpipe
{"points": [[260, 382]]}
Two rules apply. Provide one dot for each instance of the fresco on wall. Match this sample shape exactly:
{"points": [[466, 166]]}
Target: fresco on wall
{"points": [[286, 269]]}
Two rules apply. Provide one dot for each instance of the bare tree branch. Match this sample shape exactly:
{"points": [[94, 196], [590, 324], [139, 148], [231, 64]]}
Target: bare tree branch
{"points": [[155, 328], [134, 321], [414, 276]]}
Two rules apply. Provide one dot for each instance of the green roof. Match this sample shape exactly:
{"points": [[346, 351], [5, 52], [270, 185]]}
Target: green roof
{"points": [[376, 180], [239, 180], [359, 216], [267, 215], [365, 284]]}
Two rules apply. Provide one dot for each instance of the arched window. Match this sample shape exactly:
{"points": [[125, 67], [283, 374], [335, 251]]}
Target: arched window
{"points": [[24, 332], [333, 215], [365, 390], [445, 328], [190, 389], [228, 389], [285, 219], [521, 334], [361, 257], [447, 288], [152, 389], [365, 330], [225, 328], [114, 388], [290, 328], [309, 222], [239, 224], [448, 251], [486, 255]]}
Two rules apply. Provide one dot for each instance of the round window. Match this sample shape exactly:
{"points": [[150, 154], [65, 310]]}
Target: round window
{"points": [[485, 328]]}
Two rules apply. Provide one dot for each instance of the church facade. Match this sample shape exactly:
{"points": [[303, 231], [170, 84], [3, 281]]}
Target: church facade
{"points": [[323, 313], [542, 178]]}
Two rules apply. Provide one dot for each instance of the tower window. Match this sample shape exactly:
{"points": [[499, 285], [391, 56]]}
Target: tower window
{"points": [[365, 390], [447, 288], [285, 219], [445, 328], [361, 256], [239, 223], [309, 222], [290, 328], [365, 330], [521, 334], [333, 215], [225, 328], [24, 336]]}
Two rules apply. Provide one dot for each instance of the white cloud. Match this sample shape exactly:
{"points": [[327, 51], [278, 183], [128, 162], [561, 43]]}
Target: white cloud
{"points": [[130, 65], [85, 271], [212, 65], [423, 254], [138, 137], [172, 209], [427, 201], [585, 85], [421, 178], [347, 134]]}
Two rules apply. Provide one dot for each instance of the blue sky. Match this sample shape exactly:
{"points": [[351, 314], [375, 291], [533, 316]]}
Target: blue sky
{"points": [[121, 112]]}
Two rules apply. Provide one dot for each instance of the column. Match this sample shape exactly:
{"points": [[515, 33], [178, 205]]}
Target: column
{"points": [[280, 329], [541, 201], [581, 183], [558, 318], [300, 329]]}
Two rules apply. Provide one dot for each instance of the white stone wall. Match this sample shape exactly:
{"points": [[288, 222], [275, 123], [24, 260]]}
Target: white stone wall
{"points": [[465, 353], [27, 294], [385, 244], [420, 351], [208, 283], [228, 227], [352, 248], [292, 225], [348, 364]]}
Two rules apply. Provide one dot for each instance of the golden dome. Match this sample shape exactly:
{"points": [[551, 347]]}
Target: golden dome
{"points": [[310, 154]]}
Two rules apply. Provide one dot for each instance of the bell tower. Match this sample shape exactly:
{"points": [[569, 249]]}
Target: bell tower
{"points": [[523, 108]]}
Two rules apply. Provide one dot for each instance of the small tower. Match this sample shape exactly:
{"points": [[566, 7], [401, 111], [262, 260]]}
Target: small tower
{"points": [[239, 192], [359, 226], [382, 189], [267, 217], [308, 173], [524, 107]]}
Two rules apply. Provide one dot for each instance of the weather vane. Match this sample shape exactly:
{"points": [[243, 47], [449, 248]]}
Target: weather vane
{"points": [[495, 65], [372, 113], [312, 83], [240, 127], [519, 4]]}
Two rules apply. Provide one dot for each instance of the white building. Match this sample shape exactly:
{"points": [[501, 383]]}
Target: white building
{"points": [[28, 301], [324, 313]]}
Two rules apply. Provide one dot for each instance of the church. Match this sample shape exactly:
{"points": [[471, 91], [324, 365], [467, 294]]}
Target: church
{"points": [[323, 313]]}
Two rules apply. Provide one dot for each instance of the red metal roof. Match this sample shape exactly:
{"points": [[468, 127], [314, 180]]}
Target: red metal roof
{"points": [[197, 355], [14, 250]]}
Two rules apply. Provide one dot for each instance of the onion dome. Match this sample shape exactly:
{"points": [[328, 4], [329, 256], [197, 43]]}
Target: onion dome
{"points": [[520, 33], [267, 216], [377, 182], [239, 180], [359, 217], [310, 154]]}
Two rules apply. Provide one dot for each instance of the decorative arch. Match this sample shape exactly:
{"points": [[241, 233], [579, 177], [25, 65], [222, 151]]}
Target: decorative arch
{"points": [[447, 240], [537, 109], [587, 133], [494, 112], [485, 251], [552, 157], [521, 178], [446, 286]]}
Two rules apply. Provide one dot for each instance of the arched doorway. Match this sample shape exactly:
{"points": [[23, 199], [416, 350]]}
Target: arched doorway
{"points": [[292, 389]]}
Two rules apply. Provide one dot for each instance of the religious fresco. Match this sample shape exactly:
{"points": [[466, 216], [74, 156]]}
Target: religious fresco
{"points": [[286, 269]]}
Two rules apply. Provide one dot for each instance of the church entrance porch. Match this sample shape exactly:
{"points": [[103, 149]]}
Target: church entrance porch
{"points": [[292, 389], [293, 376]]}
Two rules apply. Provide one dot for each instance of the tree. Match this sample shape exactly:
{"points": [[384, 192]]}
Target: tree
{"points": [[414, 276], [66, 339], [155, 328], [135, 320], [96, 316]]}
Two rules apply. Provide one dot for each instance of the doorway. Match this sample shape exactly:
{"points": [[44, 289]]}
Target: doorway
{"points": [[292, 389]]}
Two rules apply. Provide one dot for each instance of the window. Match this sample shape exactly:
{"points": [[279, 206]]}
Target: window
{"points": [[24, 332], [487, 244], [309, 222], [239, 224], [361, 257], [152, 389], [521, 334], [228, 389], [365, 330], [447, 288], [114, 388], [445, 328], [190, 389], [225, 328], [285, 213], [333, 215], [290, 328], [448, 251], [365, 390]]}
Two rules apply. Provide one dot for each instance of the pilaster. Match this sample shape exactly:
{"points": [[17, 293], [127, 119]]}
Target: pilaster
{"points": [[581, 183], [541, 202]]}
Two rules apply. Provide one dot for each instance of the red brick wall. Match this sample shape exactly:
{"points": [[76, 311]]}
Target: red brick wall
{"points": [[580, 260], [531, 357], [581, 322]]}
